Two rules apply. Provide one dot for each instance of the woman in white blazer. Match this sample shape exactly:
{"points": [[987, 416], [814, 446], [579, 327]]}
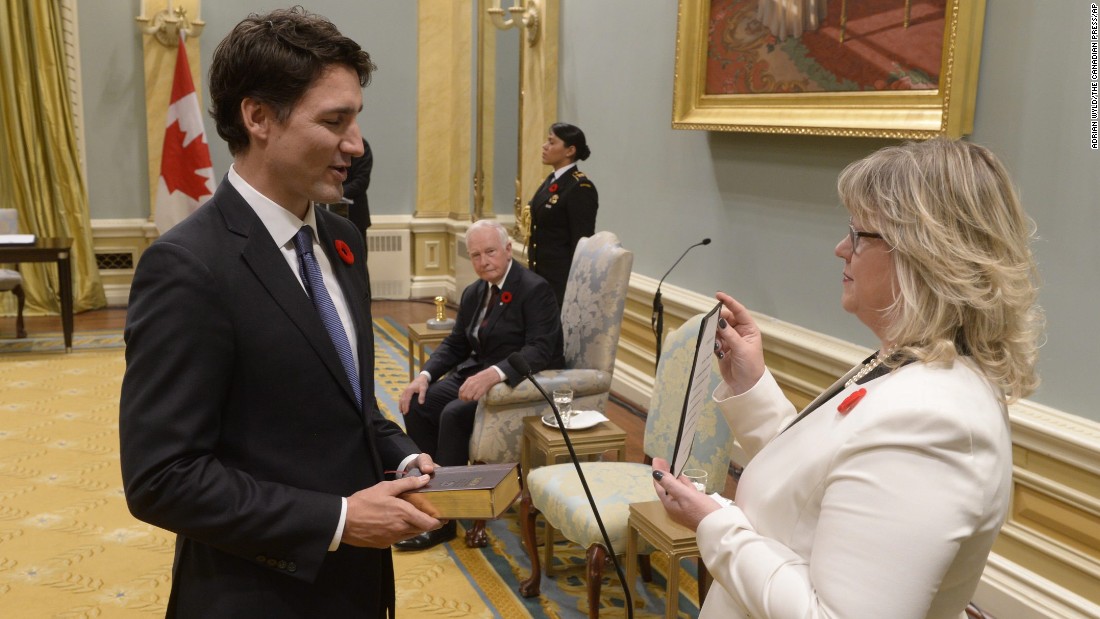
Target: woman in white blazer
{"points": [[883, 497]]}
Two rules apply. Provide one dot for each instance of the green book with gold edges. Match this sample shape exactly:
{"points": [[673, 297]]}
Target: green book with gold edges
{"points": [[479, 492]]}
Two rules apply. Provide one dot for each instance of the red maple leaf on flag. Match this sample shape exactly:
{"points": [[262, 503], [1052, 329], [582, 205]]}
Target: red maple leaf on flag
{"points": [[180, 164]]}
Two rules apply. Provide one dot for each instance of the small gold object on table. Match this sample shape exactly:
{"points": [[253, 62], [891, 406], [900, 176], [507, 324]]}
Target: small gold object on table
{"points": [[441, 321]]}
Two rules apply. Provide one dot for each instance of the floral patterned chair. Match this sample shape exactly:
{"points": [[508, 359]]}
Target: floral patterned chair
{"points": [[13, 281], [592, 313], [556, 491]]}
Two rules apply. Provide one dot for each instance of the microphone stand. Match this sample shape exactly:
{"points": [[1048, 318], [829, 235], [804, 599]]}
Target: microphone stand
{"points": [[657, 322], [517, 361]]}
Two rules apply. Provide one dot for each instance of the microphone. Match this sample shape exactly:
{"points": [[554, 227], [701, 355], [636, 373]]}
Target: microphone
{"points": [[657, 322], [520, 365], [705, 241]]}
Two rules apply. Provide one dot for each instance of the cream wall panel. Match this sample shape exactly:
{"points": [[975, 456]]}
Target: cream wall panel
{"points": [[444, 111]]}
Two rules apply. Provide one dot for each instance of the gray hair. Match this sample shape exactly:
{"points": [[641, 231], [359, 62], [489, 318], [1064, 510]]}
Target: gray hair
{"points": [[490, 224]]}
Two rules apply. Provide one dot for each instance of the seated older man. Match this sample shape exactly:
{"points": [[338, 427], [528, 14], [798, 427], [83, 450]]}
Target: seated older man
{"points": [[508, 309]]}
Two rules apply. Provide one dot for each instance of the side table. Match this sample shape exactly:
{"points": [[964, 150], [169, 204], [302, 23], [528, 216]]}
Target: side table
{"points": [[651, 521], [56, 250], [419, 337], [544, 445]]}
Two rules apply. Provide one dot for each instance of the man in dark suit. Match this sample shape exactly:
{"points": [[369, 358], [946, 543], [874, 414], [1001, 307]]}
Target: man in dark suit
{"points": [[508, 309], [355, 188], [248, 422]]}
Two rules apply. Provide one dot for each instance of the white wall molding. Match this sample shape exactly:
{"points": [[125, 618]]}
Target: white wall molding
{"points": [[1009, 591], [117, 245]]}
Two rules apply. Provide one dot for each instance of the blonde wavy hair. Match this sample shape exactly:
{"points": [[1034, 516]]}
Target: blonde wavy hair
{"points": [[961, 247]]}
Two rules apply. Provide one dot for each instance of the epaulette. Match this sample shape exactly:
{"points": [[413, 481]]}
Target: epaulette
{"points": [[577, 174]]}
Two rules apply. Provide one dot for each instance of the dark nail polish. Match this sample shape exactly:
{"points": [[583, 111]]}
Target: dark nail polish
{"points": [[658, 475], [722, 323]]}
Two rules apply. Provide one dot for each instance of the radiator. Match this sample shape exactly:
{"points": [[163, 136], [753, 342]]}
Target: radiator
{"points": [[390, 262]]}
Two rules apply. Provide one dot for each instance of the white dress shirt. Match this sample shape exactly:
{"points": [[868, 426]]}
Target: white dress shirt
{"points": [[283, 225]]}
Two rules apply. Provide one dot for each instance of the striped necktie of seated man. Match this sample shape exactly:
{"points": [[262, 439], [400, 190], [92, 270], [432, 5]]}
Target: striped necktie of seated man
{"points": [[494, 298], [310, 272]]}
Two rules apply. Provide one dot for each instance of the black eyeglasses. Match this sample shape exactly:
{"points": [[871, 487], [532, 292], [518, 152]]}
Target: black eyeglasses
{"points": [[855, 235]]}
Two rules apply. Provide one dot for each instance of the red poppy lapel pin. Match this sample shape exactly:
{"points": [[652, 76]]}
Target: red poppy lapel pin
{"points": [[505, 297], [850, 402], [553, 188], [345, 252]]}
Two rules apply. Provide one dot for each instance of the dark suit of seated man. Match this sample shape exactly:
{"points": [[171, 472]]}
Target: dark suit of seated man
{"points": [[522, 317]]}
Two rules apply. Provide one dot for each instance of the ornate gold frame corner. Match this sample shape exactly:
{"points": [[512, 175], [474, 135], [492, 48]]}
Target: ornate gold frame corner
{"points": [[948, 110]]}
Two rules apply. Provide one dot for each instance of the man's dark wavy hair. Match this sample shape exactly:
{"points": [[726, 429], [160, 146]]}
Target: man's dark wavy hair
{"points": [[274, 59]]}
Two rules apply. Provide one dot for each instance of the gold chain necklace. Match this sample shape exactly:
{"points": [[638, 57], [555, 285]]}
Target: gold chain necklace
{"points": [[868, 367]]}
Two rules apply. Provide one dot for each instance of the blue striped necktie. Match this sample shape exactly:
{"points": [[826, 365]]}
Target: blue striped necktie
{"points": [[315, 288]]}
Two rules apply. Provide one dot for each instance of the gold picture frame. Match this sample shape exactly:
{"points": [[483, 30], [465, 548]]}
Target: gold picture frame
{"points": [[902, 114]]}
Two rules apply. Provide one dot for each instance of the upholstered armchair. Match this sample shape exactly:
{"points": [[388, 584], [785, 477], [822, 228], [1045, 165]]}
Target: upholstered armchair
{"points": [[13, 281], [556, 491], [595, 295]]}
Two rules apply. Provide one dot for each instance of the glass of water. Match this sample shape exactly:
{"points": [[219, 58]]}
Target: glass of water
{"points": [[563, 399], [698, 477]]}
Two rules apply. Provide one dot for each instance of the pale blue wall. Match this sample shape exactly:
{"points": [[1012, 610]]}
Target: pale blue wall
{"points": [[769, 202], [114, 109], [387, 30]]}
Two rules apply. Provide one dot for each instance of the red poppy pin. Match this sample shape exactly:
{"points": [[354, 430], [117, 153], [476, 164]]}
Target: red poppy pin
{"points": [[345, 252], [554, 188], [850, 402], [505, 297]]}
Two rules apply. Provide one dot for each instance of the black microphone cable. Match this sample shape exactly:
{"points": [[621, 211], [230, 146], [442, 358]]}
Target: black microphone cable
{"points": [[520, 364]]}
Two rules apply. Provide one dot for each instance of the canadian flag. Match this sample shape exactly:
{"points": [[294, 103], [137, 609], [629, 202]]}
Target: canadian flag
{"points": [[186, 173]]}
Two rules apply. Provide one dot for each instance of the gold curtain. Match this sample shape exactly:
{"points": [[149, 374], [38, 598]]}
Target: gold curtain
{"points": [[40, 175]]}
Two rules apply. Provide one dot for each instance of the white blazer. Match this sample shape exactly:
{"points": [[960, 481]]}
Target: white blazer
{"points": [[888, 510]]}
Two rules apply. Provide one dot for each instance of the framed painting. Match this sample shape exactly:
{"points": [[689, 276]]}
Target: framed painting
{"points": [[866, 68]]}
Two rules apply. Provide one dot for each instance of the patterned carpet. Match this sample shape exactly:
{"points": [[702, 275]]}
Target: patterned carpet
{"points": [[69, 548], [55, 342]]}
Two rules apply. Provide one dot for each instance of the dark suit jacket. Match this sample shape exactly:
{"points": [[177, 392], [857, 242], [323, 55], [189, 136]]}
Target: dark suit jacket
{"points": [[527, 323], [239, 429], [558, 224], [355, 189]]}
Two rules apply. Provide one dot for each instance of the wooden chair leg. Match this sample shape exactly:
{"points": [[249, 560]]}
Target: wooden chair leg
{"points": [[476, 537], [672, 587], [527, 514], [594, 561], [21, 297], [548, 547], [646, 568], [704, 580]]}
